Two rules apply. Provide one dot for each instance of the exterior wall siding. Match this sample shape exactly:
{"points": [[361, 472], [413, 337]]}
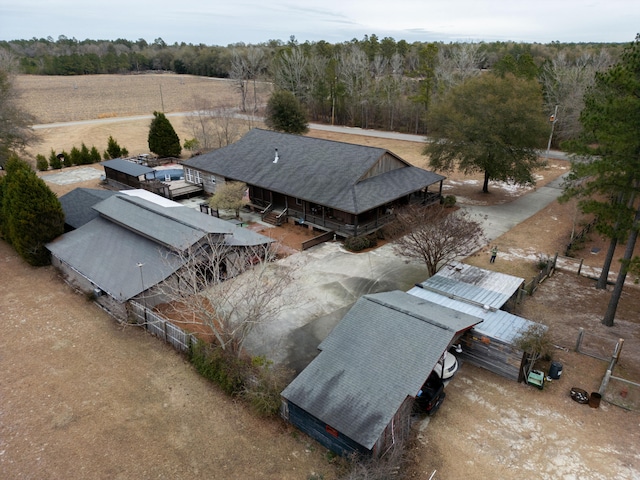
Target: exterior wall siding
{"points": [[317, 429], [492, 354]]}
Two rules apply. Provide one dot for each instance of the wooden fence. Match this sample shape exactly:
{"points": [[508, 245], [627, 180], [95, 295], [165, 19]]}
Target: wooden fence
{"points": [[545, 272], [579, 237], [161, 327]]}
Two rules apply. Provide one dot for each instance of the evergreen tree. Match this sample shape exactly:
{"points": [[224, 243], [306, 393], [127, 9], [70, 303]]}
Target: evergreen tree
{"points": [[54, 161], [163, 139], [286, 114], [30, 213], [114, 150], [606, 178], [75, 157], [41, 163], [85, 156], [94, 155]]}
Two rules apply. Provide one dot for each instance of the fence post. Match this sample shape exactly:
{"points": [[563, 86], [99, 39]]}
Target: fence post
{"points": [[579, 340], [555, 262], [580, 267], [605, 383], [619, 346]]}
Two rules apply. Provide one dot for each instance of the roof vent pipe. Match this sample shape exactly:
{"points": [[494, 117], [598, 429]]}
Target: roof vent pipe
{"points": [[275, 160]]}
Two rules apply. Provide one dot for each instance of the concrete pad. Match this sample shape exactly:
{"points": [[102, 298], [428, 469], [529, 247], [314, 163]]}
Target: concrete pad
{"points": [[76, 175]]}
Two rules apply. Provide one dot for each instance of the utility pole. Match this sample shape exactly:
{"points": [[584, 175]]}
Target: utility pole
{"points": [[552, 119], [144, 302]]}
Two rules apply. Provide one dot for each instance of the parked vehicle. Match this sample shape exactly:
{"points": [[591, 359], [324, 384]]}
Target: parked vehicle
{"points": [[431, 395], [447, 366]]}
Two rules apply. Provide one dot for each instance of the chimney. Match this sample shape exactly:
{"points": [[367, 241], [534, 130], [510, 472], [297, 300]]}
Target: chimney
{"points": [[275, 160]]}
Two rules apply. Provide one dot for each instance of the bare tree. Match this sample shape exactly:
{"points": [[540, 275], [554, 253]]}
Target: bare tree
{"points": [[457, 63], [227, 291], [565, 83], [246, 68], [436, 235], [229, 196], [535, 342], [291, 72], [215, 126], [353, 73], [15, 123]]}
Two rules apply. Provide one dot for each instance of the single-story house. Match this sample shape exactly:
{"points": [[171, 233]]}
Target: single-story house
{"points": [[331, 186], [134, 244], [486, 295], [356, 396]]}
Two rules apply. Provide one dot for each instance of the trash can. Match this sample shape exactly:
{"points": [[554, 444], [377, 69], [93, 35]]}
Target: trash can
{"points": [[555, 370], [594, 400]]}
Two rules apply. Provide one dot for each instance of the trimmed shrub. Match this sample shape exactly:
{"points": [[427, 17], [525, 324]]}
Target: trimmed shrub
{"points": [[360, 242]]}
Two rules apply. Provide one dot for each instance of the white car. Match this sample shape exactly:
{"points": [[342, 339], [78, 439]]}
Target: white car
{"points": [[447, 366]]}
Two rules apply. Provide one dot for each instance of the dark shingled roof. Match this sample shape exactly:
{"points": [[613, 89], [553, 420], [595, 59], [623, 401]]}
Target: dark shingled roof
{"points": [[379, 354], [321, 171], [127, 167], [78, 205], [131, 230]]}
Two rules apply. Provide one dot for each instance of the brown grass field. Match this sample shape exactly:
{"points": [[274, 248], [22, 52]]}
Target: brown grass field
{"points": [[83, 398]]}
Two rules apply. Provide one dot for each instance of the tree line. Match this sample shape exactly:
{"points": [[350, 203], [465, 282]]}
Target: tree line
{"points": [[369, 82]]}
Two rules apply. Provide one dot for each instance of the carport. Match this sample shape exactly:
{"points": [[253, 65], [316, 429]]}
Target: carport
{"points": [[357, 394]]}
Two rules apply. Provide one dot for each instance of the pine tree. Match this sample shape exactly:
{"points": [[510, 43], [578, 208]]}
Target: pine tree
{"points": [[163, 139], [606, 178], [41, 163], [30, 213], [114, 150], [85, 156], [75, 157], [54, 161], [94, 155]]}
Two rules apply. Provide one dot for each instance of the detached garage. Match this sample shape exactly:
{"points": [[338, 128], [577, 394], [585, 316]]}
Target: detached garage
{"points": [[356, 396]]}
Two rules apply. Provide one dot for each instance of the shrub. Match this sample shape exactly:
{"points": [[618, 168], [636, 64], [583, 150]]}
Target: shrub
{"points": [[449, 201], [262, 389], [255, 380], [360, 242], [54, 161], [42, 163]]}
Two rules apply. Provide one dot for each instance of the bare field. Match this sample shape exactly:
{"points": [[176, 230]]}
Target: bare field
{"points": [[83, 398]]}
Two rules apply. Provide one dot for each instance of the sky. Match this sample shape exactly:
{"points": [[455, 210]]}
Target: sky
{"points": [[214, 22]]}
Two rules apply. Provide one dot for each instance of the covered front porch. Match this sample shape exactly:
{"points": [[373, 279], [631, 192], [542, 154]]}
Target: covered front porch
{"points": [[277, 209]]}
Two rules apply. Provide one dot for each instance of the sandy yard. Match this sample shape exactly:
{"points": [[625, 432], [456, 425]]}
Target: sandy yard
{"points": [[84, 398]]}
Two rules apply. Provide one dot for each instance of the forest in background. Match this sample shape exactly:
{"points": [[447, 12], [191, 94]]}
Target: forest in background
{"points": [[369, 83]]}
